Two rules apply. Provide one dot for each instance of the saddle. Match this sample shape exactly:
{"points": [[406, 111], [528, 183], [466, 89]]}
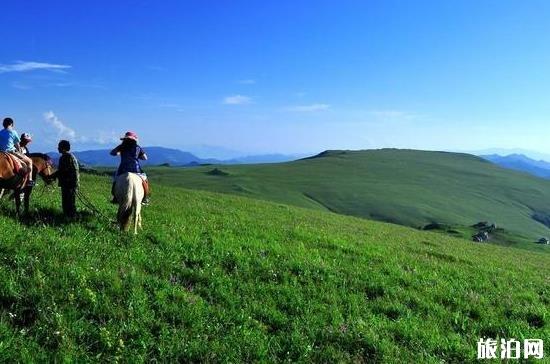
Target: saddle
{"points": [[19, 170], [19, 167]]}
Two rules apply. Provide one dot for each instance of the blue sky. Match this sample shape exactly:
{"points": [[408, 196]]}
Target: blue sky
{"points": [[248, 77]]}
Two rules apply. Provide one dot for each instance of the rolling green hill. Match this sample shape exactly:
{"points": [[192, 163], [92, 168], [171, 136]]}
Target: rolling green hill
{"points": [[407, 187], [220, 278]]}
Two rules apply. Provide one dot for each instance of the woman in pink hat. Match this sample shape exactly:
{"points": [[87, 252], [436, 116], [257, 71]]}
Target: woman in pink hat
{"points": [[130, 155]]}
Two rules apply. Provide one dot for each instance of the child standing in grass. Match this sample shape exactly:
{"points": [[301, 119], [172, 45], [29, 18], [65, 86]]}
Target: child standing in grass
{"points": [[68, 176]]}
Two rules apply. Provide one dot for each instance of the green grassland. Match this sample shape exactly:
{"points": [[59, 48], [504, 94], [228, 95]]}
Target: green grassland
{"points": [[407, 187], [221, 278]]}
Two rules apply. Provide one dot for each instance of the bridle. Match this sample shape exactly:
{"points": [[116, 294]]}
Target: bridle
{"points": [[47, 166]]}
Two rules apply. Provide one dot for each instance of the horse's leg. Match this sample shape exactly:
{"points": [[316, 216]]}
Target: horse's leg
{"points": [[137, 213], [2, 191], [26, 198], [17, 198], [137, 198]]}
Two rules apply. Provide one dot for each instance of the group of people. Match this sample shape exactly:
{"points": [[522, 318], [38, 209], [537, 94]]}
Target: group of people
{"points": [[10, 142], [67, 172]]}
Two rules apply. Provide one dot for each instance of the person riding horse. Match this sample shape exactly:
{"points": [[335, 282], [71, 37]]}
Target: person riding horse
{"points": [[130, 155], [10, 143], [42, 166], [26, 139]]}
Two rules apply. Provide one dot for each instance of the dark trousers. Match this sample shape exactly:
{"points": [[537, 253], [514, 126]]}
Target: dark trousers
{"points": [[68, 201]]}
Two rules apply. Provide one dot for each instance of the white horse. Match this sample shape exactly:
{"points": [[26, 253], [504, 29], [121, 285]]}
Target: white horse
{"points": [[129, 194]]}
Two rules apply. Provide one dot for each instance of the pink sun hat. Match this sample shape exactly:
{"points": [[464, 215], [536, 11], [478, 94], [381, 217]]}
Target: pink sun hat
{"points": [[130, 135]]}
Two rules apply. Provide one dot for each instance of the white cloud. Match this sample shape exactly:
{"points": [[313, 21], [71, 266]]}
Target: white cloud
{"points": [[168, 105], [107, 138], [63, 131], [57, 129], [172, 106], [393, 114], [247, 82], [20, 86], [156, 68], [388, 113], [237, 100], [21, 66], [308, 108], [61, 84]]}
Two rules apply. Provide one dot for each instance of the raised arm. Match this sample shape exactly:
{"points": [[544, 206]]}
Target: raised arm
{"points": [[115, 151]]}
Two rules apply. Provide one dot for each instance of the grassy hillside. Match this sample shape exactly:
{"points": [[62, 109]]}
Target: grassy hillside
{"points": [[407, 187], [222, 278]]}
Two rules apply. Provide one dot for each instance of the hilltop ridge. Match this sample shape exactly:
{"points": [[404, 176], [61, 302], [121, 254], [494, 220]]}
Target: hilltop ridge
{"points": [[408, 187]]}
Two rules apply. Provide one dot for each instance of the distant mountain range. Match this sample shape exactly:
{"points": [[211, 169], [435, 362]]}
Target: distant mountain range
{"points": [[533, 154], [520, 162], [173, 157]]}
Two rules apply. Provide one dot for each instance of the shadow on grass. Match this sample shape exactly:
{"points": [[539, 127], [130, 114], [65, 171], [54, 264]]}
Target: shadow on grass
{"points": [[47, 216], [54, 217]]}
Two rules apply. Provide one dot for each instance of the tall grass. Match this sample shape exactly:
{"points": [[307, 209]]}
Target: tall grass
{"points": [[219, 278]]}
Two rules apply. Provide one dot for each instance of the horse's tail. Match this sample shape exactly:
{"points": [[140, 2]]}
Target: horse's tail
{"points": [[124, 194], [129, 195], [136, 203]]}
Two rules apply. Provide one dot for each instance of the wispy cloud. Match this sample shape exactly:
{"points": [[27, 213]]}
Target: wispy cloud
{"points": [[173, 106], [247, 82], [237, 100], [156, 68], [20, 86], [57, 129], [308, 108], [169, 105], [61, 84], [107, 138], [63, 131], [392, 114], [21, 66]]}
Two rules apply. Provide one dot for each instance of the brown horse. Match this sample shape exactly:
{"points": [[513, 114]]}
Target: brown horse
{"points": [[13, 179]]}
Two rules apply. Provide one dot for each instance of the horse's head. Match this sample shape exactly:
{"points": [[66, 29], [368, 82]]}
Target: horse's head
{"points": [[43, 166]]}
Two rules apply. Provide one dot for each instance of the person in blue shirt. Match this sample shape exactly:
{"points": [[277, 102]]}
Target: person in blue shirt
{"points": [[9, 143], [130, 155]]}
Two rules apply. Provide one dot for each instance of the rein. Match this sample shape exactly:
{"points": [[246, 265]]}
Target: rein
{"points": [[89, 204]]}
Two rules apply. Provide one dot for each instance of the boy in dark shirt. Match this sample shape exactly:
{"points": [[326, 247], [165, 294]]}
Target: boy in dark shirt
{"points": [[68, 177]]}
